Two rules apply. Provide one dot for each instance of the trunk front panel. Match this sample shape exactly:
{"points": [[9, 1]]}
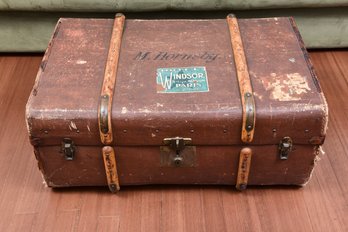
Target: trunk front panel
{"points": [[142, 165]]}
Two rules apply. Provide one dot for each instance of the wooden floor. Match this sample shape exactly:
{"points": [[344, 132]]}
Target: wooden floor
{"points": [[27, 205]]}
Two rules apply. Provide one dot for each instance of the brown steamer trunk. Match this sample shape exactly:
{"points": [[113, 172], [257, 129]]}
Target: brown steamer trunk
{"points": [[288, 99]]}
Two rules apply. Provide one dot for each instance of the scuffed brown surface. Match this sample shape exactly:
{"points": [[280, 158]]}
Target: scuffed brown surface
{"points": [[26, 205], [142, 166], [286, 97], [67, 92]]}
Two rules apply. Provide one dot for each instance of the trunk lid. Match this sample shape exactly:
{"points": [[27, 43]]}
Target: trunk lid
{"points": [[148, 109]]}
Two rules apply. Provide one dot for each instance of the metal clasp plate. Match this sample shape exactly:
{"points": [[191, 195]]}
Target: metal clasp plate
{"points": [[284, 148], [178, 153], [104, 114], [68, 148]]}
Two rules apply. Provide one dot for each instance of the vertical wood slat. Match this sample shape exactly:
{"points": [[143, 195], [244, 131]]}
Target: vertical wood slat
{"points": [[111, 168], [110, 77], [243, 168], [105, 106], [245, 87]]}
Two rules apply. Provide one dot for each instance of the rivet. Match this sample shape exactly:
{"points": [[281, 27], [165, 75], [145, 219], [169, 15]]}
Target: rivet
{"points": [[192, 131], [124, 131], [77, 131], [249, 127], [274, 130], [306, 131], [157, 130], [225, 130], [46, 132]]}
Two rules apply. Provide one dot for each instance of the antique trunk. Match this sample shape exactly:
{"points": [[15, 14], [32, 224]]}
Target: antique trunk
{"points": [[134, 102]]}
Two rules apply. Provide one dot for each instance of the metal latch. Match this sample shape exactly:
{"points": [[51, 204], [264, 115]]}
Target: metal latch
{"points": [[177, 153], [284, 148], [68, 148]]}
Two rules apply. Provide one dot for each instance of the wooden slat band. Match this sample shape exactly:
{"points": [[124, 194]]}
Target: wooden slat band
{"points": [[245, 87], [243, 168], [105, 105], [107, 92], [111, 168]]}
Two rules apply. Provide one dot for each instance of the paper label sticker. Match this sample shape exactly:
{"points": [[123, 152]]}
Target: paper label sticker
{"points": [[182, 80]]}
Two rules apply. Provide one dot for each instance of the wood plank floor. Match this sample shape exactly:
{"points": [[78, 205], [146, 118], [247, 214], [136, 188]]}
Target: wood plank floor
{"points": [[27, 205]]}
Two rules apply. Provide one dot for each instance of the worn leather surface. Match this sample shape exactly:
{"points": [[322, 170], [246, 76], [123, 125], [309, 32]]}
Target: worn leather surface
{"points": [[65, 98], [64, 103]]}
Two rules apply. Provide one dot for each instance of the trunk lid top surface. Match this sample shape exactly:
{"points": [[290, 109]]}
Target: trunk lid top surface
{"points": [[65, 98]]}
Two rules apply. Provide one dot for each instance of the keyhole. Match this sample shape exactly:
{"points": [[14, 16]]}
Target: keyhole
{"points": [[177, 159]]}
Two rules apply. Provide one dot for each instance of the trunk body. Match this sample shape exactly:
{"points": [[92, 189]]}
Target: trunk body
{"points": [[176, 78]]}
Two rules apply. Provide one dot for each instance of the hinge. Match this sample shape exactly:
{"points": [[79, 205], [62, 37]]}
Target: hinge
{"points": [[284, 148], [68, 148]]}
